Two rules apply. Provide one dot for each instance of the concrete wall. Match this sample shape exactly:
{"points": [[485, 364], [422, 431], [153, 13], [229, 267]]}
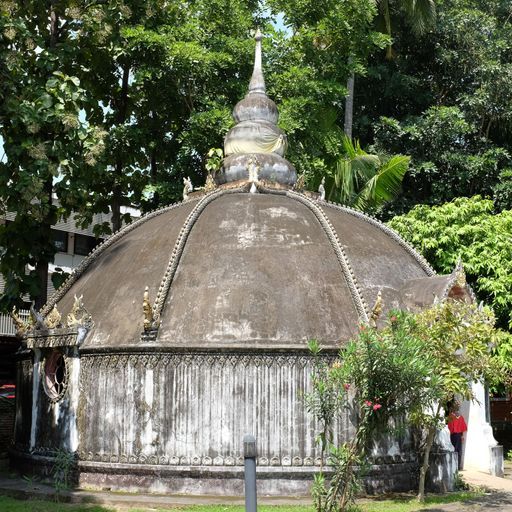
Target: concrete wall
{"points": [[189, 409]]}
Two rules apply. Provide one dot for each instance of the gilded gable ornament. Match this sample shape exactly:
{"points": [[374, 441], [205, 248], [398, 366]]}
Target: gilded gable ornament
{"points": [[460, 275], [52, 320], [148, 311], [300, 184], [376, 310], [210, 183], [20, 325], [78, 315]]}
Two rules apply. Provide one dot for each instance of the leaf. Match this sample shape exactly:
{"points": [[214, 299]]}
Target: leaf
{"points": [[385, 185]]}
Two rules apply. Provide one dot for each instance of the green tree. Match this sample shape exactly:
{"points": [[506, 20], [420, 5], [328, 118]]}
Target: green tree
{"points": [[457, 338], [470, 230], [455, 162], [401, 374], [167, 77], [328, 42], [418, 14], [44, 138], [444, 100]]}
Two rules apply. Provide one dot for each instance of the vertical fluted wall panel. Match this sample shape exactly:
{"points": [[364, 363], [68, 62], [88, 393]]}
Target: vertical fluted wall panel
{"points": [[196, 408]]}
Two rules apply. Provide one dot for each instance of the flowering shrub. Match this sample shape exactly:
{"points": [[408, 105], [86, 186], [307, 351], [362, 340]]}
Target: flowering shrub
{"points": [[379, 376], [405, 371]]}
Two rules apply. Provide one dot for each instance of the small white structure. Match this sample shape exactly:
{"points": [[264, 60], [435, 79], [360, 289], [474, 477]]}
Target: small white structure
{"points": [[480, 449]]}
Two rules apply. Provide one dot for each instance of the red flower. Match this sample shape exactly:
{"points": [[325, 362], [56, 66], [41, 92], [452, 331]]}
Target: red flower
{"points": [[376, 407], [367, 403], [393, 318], [362, 328], [346, 386]]}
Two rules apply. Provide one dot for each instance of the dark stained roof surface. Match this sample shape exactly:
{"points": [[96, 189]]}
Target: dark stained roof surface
{"points": [[265, 270]]}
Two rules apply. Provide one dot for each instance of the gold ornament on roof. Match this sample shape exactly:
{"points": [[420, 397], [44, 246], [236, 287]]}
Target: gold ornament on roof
{"points": [[300, 184], [460, 275], [148, 311], [78, 315], [210, 183], [21, 326], [52, 320], [376, 310]]}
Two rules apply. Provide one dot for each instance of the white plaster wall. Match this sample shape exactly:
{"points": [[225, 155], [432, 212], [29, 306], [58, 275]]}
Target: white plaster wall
{"points": [[195, 410], [479, 439]]}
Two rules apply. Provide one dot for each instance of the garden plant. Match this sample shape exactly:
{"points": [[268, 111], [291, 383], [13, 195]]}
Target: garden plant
{"points": [[390, 378]]}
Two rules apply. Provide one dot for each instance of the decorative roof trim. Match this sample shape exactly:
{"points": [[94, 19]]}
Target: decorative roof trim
{"points": [[458, 278], [390, 232], [350, 278], [179, 246], [95, 253]]}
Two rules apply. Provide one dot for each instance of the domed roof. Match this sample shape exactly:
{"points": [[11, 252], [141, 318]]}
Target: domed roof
{"points": [[233, 269]]}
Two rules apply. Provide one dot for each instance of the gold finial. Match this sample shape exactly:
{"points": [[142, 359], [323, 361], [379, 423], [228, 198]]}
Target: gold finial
{"points": [[210, 183], [52, 320], [460, 274], [376, 310], [148, 310]]}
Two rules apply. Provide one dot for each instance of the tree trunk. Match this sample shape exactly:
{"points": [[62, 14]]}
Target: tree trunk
{"points": [[426, 454], [117, 191], [349, 107], [115, 205], [47, 221], [45, 230]]}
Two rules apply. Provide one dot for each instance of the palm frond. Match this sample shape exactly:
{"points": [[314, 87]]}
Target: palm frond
{"points": [[349, 148], [421, 14], [344, 180], [365, 166], [385, 185]]}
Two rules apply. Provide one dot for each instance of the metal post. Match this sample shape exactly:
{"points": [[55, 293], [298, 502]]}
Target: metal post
{"points": [[250, 472]]}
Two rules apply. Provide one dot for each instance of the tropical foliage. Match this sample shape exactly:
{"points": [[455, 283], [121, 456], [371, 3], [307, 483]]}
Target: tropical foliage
{"points": [[470, 230], [444, 99], [380, 377], [366, 181], [459, 338]]}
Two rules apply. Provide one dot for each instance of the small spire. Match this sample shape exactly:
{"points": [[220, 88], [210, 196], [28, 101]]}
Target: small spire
{"points": [[257, 83]]}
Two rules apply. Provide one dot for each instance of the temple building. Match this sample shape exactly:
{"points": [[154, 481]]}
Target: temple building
{"points": [[188, 328]]}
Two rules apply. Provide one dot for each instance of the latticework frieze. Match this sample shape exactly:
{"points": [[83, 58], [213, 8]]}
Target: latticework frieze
{"points": [[196, 460], [68, 338], [152, 360]]}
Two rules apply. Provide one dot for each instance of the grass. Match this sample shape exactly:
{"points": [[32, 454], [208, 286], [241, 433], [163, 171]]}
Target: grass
{"points": [[387, 504]]}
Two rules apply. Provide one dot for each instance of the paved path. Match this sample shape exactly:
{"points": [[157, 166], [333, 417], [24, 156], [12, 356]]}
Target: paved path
{"points": [[498, 497]]}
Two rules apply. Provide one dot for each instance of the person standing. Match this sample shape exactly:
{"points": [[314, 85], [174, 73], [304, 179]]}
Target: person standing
{"points": [[457, 426]]}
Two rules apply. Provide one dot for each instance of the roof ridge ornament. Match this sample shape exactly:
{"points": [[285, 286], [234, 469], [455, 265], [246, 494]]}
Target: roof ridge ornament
{"points": [[459, 274], [256, 133]]}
